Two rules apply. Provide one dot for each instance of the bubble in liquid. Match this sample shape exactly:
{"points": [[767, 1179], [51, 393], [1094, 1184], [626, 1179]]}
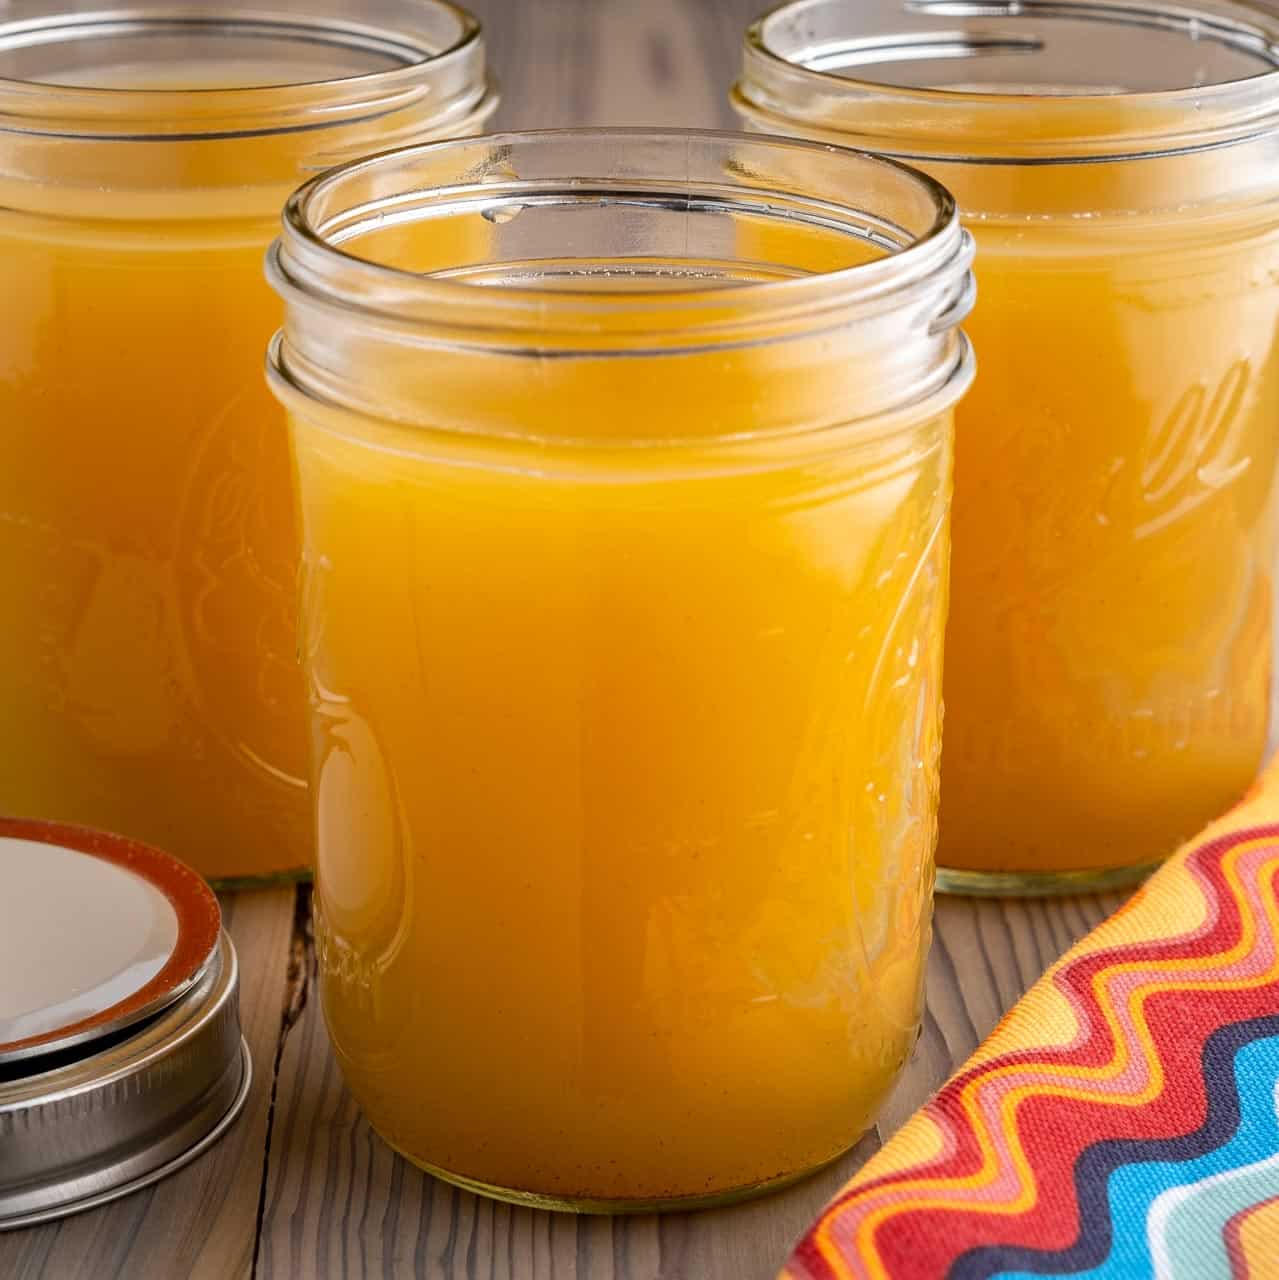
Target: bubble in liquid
{"points": [[500, 214]]}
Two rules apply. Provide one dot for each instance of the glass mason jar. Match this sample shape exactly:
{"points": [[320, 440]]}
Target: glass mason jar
{"points": [[148, 547], [624, 468], [1108, 660]]}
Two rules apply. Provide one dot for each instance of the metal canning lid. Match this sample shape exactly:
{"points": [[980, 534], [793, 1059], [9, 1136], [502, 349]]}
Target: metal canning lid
{"points": [[97, 933], [121, 1057]]}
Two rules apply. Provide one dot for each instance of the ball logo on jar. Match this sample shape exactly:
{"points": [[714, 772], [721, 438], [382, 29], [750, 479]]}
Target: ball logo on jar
{"points": [[127, 697], [236, 587], [1196, 451]]}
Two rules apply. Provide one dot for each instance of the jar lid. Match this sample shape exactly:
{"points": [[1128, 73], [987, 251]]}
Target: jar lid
{"points": [[121, 1057]]}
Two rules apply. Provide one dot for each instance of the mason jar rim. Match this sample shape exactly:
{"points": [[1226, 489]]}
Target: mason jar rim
{"points": [[305, 264], [454, 71], [936, 123]]}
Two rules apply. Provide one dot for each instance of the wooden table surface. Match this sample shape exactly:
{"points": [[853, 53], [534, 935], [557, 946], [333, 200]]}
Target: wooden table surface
{"points": [[300, 1187]]}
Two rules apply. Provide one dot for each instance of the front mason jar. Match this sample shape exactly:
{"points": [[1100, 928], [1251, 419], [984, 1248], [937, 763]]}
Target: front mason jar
{"points": [[624, 467], [148, 548], [1108, 662]]}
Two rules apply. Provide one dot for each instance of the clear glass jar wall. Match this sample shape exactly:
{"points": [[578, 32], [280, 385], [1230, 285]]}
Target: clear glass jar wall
{"points": [[1108, 663], [148, 548], [624, 468]]}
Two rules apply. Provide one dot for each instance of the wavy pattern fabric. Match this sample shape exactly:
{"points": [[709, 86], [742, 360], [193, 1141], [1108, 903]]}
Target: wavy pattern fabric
{"points": [[1122, 1123]]}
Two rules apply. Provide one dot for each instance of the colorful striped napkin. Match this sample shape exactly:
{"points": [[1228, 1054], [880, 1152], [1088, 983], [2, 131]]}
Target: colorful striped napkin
{"points": [[1123, 1119]]}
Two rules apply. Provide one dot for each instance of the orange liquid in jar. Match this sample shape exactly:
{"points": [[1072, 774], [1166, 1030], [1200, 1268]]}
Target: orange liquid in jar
{"points": [[147, 539], [1109, 646], [149, 678], [1109, 651], [625, 773]]}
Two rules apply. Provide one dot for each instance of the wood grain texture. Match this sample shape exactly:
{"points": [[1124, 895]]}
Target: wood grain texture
{"points": [[563, 63], [301, 1188], [202, 1222]]}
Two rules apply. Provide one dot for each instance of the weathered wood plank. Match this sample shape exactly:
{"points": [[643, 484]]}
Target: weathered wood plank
{"points": [[202, 1221], [564, 63]]}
